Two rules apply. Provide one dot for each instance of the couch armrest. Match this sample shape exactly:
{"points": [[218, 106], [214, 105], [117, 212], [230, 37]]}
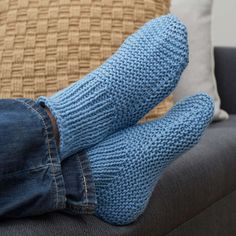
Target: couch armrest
{"points": [[225, 71]]}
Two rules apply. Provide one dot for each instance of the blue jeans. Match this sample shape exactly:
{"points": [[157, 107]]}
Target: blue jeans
{"points": [[33, 179]]}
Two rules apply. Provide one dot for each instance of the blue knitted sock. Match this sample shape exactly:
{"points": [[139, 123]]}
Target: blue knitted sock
{"points": [[134, 80], [127, 165]]}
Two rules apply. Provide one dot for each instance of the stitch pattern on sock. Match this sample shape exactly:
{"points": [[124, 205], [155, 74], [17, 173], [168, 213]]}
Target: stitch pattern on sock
{"points": [[144, 71], [127, 165]]}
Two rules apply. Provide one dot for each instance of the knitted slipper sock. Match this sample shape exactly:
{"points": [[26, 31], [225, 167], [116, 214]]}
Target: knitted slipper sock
{"points": [[137, 77], [127, 165]]}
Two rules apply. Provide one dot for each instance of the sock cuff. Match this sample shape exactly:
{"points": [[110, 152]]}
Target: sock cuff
{"points": [[76, 110]]}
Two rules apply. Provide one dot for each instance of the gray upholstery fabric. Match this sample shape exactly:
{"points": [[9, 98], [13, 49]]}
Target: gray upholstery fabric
{"points": [[191, 184], [216, 220], [225, 71]]}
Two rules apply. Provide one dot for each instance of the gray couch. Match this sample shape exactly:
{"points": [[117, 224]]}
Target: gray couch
{"points": [[195, 196]]}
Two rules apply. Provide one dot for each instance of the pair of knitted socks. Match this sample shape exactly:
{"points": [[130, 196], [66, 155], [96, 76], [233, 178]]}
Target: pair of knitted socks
{"points": [[98, 115]]}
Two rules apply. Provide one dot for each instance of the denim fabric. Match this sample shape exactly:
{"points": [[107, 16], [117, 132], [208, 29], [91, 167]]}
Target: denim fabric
{"points": [[80, 188], [33, 180]]}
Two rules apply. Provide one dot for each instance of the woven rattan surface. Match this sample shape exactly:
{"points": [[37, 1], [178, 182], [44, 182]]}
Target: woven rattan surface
{"points": [[47, 44]]}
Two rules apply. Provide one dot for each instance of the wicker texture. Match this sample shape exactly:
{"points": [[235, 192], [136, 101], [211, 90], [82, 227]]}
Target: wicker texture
{"points": [[45, 45]]}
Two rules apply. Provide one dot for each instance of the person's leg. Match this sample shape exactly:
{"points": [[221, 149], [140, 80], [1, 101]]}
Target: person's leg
{"points": [[144, 71], [33, 180], [116, 176], [127, 165]]}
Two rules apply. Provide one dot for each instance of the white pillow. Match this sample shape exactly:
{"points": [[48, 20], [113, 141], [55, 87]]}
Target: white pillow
{"points": [[199, 75]]}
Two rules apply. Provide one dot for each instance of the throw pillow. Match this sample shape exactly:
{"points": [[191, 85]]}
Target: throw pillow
{"points": [[199, 76]]}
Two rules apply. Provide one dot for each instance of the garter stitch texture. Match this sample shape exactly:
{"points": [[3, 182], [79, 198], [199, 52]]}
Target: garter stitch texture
{"points": [[127, 165], [144, 70]]}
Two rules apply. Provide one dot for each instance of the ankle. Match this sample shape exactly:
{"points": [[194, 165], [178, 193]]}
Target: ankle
{"points": [[54, 125]]}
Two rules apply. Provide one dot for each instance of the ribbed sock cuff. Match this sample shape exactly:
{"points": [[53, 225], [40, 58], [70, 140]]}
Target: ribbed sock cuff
{"points": [[76, 109]]}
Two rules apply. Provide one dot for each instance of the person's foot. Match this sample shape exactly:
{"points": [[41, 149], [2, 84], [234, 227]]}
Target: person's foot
{"points": [[127, 165], [144, 71]]}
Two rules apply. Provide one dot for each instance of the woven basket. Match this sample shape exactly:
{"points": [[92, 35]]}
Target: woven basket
{"points": [[45, 45]]}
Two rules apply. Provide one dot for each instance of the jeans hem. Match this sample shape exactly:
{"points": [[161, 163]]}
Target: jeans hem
{"points": [[51, 153], [88, 201]]}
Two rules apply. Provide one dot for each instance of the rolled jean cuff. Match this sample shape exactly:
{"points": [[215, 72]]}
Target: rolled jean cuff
{"points": [[33, 179], [51, 155], [80, 187]]}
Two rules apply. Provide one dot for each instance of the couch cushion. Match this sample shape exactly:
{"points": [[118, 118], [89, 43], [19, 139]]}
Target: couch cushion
{"points": [[219, 219], [198, 179], [225, 70]]}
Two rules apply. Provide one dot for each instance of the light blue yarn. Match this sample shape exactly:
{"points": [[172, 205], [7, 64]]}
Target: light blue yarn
{"points": [[134, 80], [127, 165]]}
